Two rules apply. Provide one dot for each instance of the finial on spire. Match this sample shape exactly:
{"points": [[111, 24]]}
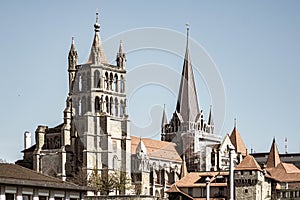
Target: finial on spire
{"points": [[72, 39], [97, 15], [187, 33], [97, 25], [234, 122]]}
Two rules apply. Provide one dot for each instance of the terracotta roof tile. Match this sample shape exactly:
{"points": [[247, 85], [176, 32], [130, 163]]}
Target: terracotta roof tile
{"points": [[193, 179], [248, 163], [157, 149], [285, 172], [273, 158], [238, 142]]}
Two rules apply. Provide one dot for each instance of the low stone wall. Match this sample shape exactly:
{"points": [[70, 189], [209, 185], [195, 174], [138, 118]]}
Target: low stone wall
{"points": [[121, 197]]}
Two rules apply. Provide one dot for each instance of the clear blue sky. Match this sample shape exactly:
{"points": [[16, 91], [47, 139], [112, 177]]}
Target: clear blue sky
{"points": [[254, 44]]}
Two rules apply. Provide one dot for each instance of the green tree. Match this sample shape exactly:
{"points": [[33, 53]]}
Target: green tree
{"points": [[122, 182], [103, 182]]}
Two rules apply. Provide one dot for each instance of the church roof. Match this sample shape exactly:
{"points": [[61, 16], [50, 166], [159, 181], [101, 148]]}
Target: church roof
{"points": [[248, 163], [273, 158], [157, 149], [238, 142], [187, 103]]}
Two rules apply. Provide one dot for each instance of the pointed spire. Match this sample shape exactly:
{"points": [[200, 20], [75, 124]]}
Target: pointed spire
{"points": [[238, 142], [121, 57], [273, 158], [187, 103], [210, 117], [164, 120], [97, 53], [184, 171], [211, 120], [141, 149], [73, 56], [121, 47]]}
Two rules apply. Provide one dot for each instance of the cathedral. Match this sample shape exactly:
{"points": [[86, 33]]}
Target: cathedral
{"points": [[95, 132]]}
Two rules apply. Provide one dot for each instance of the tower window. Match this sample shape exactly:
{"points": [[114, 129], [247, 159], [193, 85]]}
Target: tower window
{"points": [[97, 104], [246, 191], [96, 79], [116, 89]]}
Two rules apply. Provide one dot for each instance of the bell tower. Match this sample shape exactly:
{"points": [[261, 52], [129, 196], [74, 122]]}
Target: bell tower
{"points": [[99, 103]]}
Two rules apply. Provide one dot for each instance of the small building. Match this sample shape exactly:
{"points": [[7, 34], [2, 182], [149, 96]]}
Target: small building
{"points": [[20, 183], [250, 181], [193, 186]]}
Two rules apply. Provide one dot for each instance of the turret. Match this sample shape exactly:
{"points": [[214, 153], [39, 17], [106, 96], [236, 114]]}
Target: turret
{"points": [[121, 57], [211, 124], [164, 121], [73, 61]]}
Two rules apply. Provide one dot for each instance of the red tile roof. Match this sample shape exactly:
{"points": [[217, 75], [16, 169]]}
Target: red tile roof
{"points": [[273, 158], [285, 172], [193, 179], [248, 163], [238, 142], [157, 149]]}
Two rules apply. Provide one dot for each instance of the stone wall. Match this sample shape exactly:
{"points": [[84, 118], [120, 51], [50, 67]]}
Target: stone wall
{"points": [[126, 197]]}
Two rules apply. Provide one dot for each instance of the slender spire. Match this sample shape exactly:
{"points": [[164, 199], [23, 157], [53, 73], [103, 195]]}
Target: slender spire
{"points": [[164, 120], [73, 61], [210, 117], [273, 158], [121, 47], [121, 57], [184, 171], [97, 53], [73, 56], [211, 120], [187, 103]]}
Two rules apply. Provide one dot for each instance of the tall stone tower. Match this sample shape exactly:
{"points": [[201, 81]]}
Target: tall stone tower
{"points": [[187, 128], [98, 98]]}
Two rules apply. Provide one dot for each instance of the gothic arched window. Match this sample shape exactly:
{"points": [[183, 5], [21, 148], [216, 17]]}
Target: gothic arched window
{"points": [[116, 106], [106, 81], [111, 79], [97, 79], [116, 88], [97, 104], [122, 84], [121, 108], [111, 102], [107, 104]]}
